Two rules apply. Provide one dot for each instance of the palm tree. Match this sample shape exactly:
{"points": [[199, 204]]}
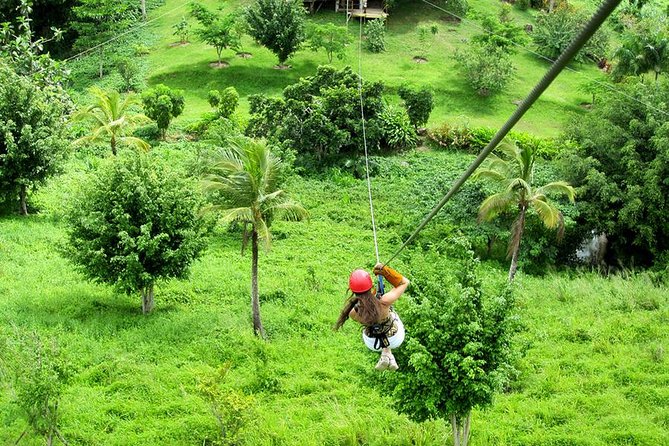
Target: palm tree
{"points": [[514, 175], [244, 186], [112, 119]]}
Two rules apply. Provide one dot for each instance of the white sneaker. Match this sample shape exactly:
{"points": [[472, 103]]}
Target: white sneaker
{"points": [[383, 363], [392, 364]]}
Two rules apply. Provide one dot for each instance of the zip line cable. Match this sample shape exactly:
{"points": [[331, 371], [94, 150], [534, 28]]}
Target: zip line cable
{"points": [[588, 30], [364, 140], [125, 33], [548, 59]]}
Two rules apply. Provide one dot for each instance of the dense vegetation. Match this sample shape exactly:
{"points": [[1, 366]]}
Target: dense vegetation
{"points": [[214, 150]]}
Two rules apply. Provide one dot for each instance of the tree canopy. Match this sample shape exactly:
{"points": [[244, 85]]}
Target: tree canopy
{"points": [[278, 25]]}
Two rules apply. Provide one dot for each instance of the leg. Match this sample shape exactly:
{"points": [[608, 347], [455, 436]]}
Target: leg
{"points": [[392, 364], [384, 360]]}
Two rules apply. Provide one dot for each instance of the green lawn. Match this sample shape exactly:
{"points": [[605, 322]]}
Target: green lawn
{"points": [[187, 67]]}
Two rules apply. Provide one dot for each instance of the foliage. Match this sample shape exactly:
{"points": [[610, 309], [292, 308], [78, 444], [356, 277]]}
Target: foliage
{"points": [[500, 33], [225, 102], [554, 32], [457, 354], [332, 38], [182, 30], [426, 34], [36, 371], [112, 120], [243, 182], [278, 25], [32, 141], [644, 47], [418, 104], [620, 169], [513, 175], [129, 71], [162, 104], [319, 117], [398, 132], [458, 8], [135, 223], [375, 35], [487, 69], [219, 31]]}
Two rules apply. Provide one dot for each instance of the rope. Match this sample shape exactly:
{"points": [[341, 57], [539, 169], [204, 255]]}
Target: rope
{"points": [[364, 140], [588, 30]]}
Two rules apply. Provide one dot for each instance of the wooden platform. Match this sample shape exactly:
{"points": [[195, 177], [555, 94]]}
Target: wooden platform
{"points": [[368, 13]]}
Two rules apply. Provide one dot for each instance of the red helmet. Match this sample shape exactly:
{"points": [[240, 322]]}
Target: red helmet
{"points": [[360, 281]]}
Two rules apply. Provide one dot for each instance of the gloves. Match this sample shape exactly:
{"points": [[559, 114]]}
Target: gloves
{"points": [[389, 274]]}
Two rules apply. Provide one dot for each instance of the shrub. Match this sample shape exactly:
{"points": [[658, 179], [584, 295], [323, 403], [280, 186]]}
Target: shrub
{"points": [[398, 132], [135, 222], [225, 102], [162, 104], [457, 7], [182, 30], [278, 25], [486, 68], [418, 104], [129, 71], [375, 35]]}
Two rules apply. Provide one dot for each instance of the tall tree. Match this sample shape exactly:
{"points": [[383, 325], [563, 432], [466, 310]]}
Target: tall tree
{"points": [[31, 135], [644, 48], [112, 120], [278, 25], [513, 175], [244, 187]]}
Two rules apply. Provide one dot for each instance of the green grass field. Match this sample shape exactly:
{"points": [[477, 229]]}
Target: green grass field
{"points": [[187, 67]]}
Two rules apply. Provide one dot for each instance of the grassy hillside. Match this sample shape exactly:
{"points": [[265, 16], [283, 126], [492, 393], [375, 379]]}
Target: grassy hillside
{"points": [[594, 370], [187, 67]]}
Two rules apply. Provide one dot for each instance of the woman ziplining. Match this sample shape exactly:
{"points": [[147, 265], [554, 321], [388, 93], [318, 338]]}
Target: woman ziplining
{"points": [[383, 330]]}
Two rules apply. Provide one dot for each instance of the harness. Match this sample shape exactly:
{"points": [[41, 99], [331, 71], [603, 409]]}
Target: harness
{"points": [[381, 331]]}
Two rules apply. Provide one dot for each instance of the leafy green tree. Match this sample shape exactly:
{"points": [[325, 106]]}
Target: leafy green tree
{"points": [[244, 186], [112, 120], [217, 30], [555, 31], [644, 48], [129, 71], [225, 102], [36, 371], [426, 35], [133, 224], [182, 30], [418, 104], [620, 166], [375, 35], [459, 350], [486, 68], [500, 33], [162, 104], [31, 135], [319, 117], [278, 25], [513, 175], [398, 132], [332, 38]]}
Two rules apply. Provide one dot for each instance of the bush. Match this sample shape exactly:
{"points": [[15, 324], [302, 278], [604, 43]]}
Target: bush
{"points": [[135, 222], [457, 7], [225, 102], [486, 68], [162, 104], [418, 104], [129, 71], [398, 132], [375, 35]]}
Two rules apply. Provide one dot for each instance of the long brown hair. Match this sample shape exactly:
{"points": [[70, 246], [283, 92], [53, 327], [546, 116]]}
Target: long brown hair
{"points": [[369, 309]]}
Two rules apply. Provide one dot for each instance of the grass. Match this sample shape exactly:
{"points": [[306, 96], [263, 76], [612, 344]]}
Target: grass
{"points": [[187, 67], [594, 370]]}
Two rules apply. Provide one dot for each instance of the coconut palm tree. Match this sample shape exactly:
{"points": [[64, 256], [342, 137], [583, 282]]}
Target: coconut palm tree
{"points": [[513, 174], [243, 180], [112, 120]]}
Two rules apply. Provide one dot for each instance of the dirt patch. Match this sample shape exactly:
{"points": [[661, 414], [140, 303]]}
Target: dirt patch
{"points": [[586, 105], [244, 55], [218, 66], [175, 44], [419, 59], [450, 19], [282, 67]]}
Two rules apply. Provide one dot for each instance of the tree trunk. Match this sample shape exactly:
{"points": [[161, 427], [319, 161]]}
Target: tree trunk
{"points": [[517, 237], [460, 429], [113, 145], [22, 199], [143, 6], [147, 299], [255, 302], [551, 6]]}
